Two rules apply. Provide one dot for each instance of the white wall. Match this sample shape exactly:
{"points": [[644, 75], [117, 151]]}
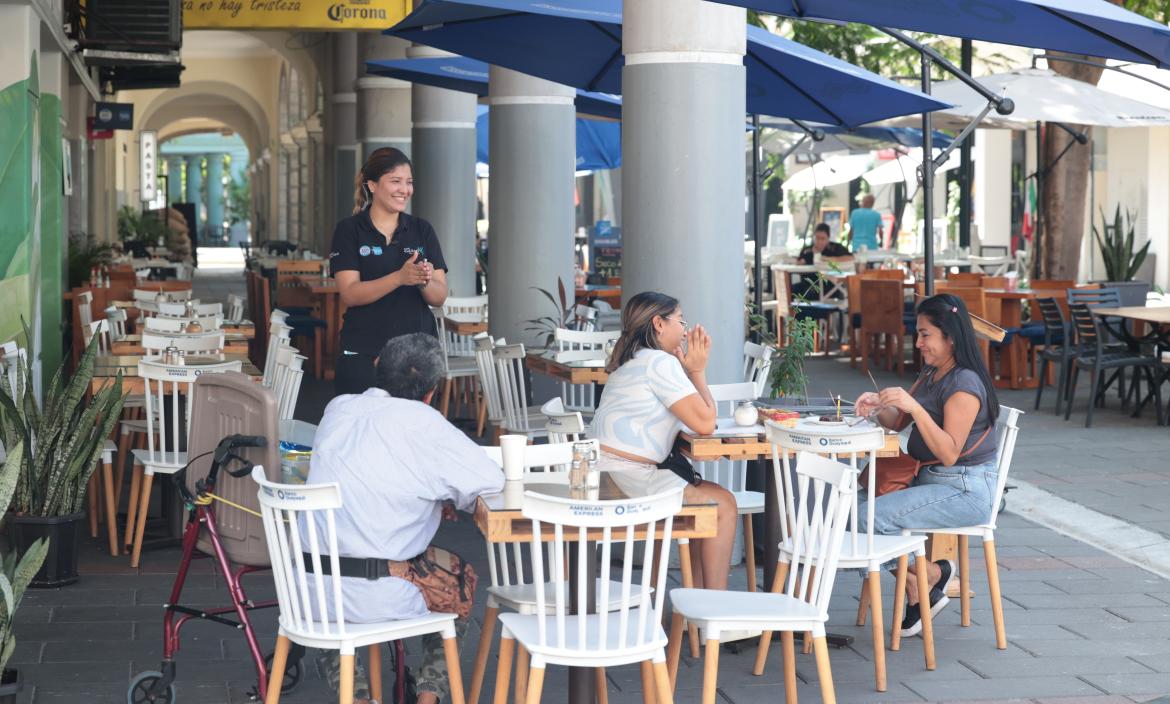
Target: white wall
{"points": [[993, 187], [1137, 177]]}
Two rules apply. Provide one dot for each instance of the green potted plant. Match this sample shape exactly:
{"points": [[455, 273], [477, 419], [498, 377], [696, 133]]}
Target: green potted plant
{"points": [[63, 438], [546, 325], [1116, 241], [85, 252], [15, 575]]}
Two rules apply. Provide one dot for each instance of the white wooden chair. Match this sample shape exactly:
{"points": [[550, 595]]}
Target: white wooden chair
{"points": [[200, 344], [861, 548], [490, 408], [517, 417], [562, 425], [584, 318], [171, 296], [168, 419], [166, 324], [235, 308], [101, 330], [179, 309], [315, 618], [992, 266], [757, 364], [626, 626], [457, 368], [579, 346], [117, 318], [286, 381], [607, 317], [279, 335], [461, 345], [1006, 430], [826, 490], [85, 310]]}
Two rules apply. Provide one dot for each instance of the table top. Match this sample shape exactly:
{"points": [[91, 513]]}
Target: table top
{"points": [[1017, 294], [464, 318], [498, 516], [572, 372], [1150, 314], [737, 443]]}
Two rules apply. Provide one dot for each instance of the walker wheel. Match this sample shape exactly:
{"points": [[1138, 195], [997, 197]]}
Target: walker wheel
{"points": [[292, 674], [139, 691]]}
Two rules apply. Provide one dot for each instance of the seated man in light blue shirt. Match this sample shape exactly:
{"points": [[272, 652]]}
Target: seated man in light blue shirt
{"points": [[397, 462], [865, 224]]}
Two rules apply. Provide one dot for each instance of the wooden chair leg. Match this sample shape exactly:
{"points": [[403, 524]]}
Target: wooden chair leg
{"points": [[788, 652], [140, 529], [455, 673], [490, 616], [924, 608], [504, 670], [521, 674], [749, 549], [964, 582], [647, 671], [863, 604], [132, 507], [824, 671], [276, 676], [710, 670], [879, 636], [534, 685], [688, 581], [345, 690], [445, 404], [766, 636], [318, 355], [111, 507], [92, 499], [662, 686], [993, 592], [899, 602], [674, 648], [602, 685], [374, 670]]}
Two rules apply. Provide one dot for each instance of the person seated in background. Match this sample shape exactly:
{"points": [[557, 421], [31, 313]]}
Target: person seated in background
{"points": [[398, 462], [865, 224], [821, 249]]}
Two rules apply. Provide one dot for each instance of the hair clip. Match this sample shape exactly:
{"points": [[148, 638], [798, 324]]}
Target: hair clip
{"points": [[954, 309]]}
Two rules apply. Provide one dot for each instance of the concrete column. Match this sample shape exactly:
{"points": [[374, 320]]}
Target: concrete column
{"points": [[682, 180], [174, 179], [78, 203], [214, 198], [342, 132], [195, 191], [993, 192], [443, 142], [383, 104], [533, 146]]}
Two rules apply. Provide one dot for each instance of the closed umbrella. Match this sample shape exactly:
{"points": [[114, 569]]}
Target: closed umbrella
{"points": [[832, 171]]}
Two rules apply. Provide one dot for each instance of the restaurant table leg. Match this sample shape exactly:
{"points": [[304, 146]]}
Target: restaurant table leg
{"points": [[582, 680], [111, 507]]}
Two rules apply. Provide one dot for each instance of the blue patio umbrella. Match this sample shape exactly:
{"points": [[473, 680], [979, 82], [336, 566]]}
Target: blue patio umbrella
{"points": [[471, 76], [599, 142], [1089, 27], [579, 43]]}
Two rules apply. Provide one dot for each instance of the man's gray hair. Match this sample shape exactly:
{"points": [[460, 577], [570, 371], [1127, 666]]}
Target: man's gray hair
{"points": [[410, 366]]}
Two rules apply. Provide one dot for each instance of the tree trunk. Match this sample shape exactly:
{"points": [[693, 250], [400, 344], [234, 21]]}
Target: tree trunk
{"points": [[1065, 186]]}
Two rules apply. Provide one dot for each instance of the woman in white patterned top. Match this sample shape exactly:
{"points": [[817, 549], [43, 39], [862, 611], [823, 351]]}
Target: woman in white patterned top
{"points": [[656, 386]]}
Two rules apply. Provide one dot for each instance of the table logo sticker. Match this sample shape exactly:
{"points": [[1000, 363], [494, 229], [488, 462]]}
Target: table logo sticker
{"points": [[364, 250]]}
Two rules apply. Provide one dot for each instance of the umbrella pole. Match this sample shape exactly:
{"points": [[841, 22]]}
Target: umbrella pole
{"points": [[965, 167], [926, 173], [758, 294]]}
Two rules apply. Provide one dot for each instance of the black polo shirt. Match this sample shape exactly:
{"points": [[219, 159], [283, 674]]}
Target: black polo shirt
{"points": [[359, 246], [832, 249]]}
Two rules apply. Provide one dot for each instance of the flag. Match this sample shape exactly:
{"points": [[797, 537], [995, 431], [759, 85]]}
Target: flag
{"points": [[1029, 226]]}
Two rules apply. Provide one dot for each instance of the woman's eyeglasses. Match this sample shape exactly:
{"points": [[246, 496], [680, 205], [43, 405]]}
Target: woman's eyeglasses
{"points": [[679, 319]]}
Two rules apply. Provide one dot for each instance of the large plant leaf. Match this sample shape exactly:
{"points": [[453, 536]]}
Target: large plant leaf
{"points": [[9, 474]]}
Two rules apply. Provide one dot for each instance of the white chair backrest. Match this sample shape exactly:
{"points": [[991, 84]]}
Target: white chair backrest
{"points": [[849, 447], [466, 304], [199, 344], [117, 318], [85, 309], [279, 335], [562, 425], [100, 329], [152, 296], [168, 395], [485, 363], [584, 318], [161, 323], [757, 364], [729, 474], [235, 308], [293, 515], [454, 344], [826, 490], [1006, 430], [513, 389], [581, 345], [179, 309], [288, 370], [626, 522]]}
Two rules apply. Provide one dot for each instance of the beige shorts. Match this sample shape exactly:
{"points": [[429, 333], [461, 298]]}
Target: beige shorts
{"points": [[638, 478]]}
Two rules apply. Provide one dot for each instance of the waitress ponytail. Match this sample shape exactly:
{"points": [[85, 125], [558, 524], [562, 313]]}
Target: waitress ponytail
{"points": [[380, 162]]}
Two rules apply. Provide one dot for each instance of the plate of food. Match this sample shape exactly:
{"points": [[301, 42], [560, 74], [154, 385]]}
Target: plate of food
{"points": [[787, 419]]}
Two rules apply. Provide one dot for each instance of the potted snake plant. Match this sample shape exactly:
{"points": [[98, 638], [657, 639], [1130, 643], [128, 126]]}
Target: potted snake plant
{"points": [[15, 575], [62, 439]]}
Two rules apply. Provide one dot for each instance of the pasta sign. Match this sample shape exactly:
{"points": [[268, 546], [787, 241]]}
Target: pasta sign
{"points": [[293, 14]]}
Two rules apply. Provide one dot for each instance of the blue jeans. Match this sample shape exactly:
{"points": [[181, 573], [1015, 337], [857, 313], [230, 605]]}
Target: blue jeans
{"points": [[940, 497]]}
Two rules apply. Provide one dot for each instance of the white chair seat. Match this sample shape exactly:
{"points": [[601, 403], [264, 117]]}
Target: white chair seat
{"points": [[535, 423], [986, 530], [522, 597], [160, 462], [749, 501], [362, 634], [526, 630], [708, 608], [885, 548]]}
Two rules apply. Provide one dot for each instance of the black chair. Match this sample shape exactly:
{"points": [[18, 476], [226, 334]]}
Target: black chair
{"points": [[1058, 347], [1095, 357]]}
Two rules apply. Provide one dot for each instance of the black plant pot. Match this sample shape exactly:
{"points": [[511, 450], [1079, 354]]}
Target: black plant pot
{"points": [[64, 534], [10, 684]]}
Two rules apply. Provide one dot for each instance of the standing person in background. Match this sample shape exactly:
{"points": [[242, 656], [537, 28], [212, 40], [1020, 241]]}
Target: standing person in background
{"points": [[865, 224], [388, 266]]}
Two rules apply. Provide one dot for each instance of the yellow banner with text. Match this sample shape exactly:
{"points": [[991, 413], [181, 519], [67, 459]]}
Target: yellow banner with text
{"points": [[293, 14]]}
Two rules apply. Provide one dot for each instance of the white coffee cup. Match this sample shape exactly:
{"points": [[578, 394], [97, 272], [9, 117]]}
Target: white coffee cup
{"points": [[512, 449]]}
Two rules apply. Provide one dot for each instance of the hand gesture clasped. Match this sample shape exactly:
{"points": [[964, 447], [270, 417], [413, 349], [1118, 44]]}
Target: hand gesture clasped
{"points": [[415, 273], [698, 349]]}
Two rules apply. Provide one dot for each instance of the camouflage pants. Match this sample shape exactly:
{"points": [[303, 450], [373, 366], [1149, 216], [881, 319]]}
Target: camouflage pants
{"points": [[447, 584]]}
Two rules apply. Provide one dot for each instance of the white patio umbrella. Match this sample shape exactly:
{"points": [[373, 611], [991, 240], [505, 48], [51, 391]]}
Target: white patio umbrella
{"points": [[834, 170], [1041, 95], [904, 168]]}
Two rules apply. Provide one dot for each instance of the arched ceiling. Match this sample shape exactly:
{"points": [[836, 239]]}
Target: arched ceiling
{"points": [[214, 100]]}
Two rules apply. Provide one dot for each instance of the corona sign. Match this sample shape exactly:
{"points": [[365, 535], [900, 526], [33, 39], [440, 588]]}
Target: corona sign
{"points": [[294, 14]]}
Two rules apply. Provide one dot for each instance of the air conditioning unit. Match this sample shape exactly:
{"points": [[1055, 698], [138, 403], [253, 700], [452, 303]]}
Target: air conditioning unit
{"points": [[141, 77], [127, 32]]}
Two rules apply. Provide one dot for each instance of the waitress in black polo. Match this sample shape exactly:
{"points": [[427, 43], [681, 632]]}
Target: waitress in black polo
{"points": [[388, 266]]}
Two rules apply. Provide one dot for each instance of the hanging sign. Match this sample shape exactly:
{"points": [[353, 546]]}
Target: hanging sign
{"points": [[293, 14], [148, 164]]}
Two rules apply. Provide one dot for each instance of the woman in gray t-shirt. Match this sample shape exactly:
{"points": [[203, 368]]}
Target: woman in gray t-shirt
{"points": [[950, 418]]}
